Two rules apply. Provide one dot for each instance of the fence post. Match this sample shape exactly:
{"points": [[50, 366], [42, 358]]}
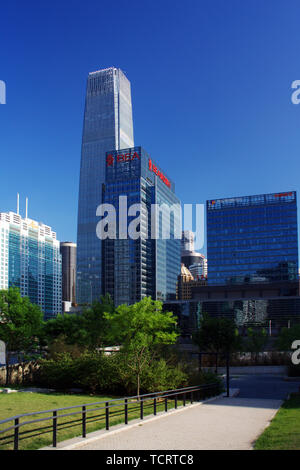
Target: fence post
{"points": [[54, 428], [107, 416], [184, 399], [227, 373], [126, 411], [175, 401], [83, 421], [154, 407], [166, 404], [191, 397], [16, 436], [142, 409]]}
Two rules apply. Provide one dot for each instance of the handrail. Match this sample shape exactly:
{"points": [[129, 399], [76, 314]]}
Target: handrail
{"points": [[94, 403], [107, 405]]}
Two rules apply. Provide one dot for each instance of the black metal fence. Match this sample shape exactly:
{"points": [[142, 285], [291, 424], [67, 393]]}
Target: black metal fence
{"points": [[106, 412]]}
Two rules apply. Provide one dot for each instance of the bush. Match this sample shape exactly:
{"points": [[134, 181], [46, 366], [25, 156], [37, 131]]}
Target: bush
{"points": [[94, 372], [161, 376], [58, 372], [98, 373], [286, 337]]}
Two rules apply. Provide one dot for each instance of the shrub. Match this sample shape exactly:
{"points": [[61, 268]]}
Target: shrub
{"points": [[286, 337], [58, 372], [161, 376], [98, 373]]}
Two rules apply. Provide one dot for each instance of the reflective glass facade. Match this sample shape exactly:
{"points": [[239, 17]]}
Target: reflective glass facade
{"points": [[269, 313], [30, 260], [252, 239], [149, 264], [107, 125], [68, 258]]}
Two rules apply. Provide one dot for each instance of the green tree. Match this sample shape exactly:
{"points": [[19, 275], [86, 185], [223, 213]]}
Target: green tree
{"points": [[87, 329], [141, 329], [20, 325], [286, 338], [66, 328], [95, 322], [255, 342], [218, 335]]}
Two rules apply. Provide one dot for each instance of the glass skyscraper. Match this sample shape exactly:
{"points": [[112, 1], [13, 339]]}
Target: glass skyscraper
{"points": [[252, 239], [68, 263], [30, 260], [107, 126], [149, 264]]}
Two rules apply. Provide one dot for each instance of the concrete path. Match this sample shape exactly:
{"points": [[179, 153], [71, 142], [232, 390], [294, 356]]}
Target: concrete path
{"points": [[218, 424], [263, 386]]}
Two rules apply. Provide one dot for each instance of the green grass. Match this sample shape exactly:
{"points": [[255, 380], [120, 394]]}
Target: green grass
{"points": [[284, 430], [68, 427]]}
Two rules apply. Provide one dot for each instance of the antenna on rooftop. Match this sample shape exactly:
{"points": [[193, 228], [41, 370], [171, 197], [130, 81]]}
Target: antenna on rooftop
{"points": [[18, 203]]}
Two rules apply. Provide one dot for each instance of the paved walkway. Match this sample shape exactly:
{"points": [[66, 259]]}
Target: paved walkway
{"points": [[219, 424]]}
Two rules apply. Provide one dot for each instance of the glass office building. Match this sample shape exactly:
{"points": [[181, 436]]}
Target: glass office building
{"points": [[272, 314], [252, 239], [107, 125], [30, 260], [144, 257], [68, 263]]}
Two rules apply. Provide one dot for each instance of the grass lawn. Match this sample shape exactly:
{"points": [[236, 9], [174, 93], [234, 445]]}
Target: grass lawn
{"points": [[18, 403], [284, 430]]}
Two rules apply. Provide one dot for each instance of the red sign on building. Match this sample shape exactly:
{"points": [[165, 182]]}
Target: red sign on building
{"points": [[110, 159], [159, 173]]}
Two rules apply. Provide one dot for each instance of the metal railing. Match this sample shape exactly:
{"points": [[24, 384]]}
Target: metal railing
{"points": [[115, 408]]}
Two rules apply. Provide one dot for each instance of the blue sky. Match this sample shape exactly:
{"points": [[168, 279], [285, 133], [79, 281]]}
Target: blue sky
{"points": [[211, 90]]}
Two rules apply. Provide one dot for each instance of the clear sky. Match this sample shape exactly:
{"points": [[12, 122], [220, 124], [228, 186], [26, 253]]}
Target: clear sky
{"points": [[211, 91]]}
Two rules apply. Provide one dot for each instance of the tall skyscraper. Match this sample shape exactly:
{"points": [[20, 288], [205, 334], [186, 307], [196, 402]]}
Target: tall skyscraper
{"points": [[142, 196], [68, 259], [30, 260], [193, 260], [187, 242], [107, 126], [252, 239]]}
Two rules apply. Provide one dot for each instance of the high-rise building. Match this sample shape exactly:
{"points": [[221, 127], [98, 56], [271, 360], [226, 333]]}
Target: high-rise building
{"points": [[199, 269], [252, 239], [185, 279], [143, 198], [30, 260], [193, 260], [252, 250], [187, 242], [68, 259], [107, 126]]}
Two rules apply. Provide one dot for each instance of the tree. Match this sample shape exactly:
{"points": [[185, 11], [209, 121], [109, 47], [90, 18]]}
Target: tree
{"points": [[95, 322], [256, 340], [218, 335], [286, 338], [66, 328], [20, 325], [141, 329], [87, 330]]}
